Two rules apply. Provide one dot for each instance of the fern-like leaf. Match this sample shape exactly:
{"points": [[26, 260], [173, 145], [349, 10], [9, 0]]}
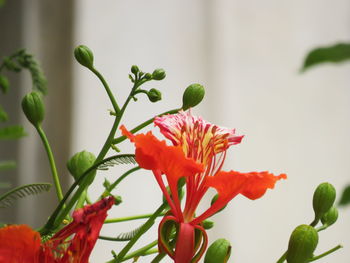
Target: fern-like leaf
{"points": [[123, 236], [116, 160], [8, 198]]}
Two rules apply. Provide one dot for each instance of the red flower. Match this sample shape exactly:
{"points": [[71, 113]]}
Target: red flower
{"points": [[197, 155], [21, 244]]}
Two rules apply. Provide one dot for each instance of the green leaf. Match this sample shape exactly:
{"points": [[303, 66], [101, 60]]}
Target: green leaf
{"points": [[123, 236], [2, 2], [336, 53], [3, 115], [345, 197], [116, 160], [12, 132], [7, 199], [7, 165]]}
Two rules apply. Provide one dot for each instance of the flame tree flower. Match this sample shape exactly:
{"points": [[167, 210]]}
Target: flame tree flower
{"points": [[198, 153], [21, 244]]}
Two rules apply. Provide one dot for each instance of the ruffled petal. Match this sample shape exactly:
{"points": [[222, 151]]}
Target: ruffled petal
{"points": [[20, 244]]}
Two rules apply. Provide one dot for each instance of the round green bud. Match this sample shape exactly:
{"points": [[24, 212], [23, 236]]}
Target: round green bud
{"points": [[192, 96], [84, 56], [207, 224], [218, 252], [323, 199], [330, 217], [118, 200], [148, 76], [79, 163], [4, 84], [154, 95], [134, 69], [33, 108], [302, 244], [158, 74]]}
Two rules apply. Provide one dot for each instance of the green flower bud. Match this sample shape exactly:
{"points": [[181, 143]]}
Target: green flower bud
{"points": [[79, 163], [158, 74], [330, 217], [324, 197], [118, 200], [192, 96], [154, 95], [84, 56], [4, 84], [207, 224], [148, 76], [134, 69], [302, 244], [218, 252], [33, 108]]}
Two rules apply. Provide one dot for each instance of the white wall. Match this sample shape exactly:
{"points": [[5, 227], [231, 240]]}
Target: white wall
{"points": [[247, 54]]}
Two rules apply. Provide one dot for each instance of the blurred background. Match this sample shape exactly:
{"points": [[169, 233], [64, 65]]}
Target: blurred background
{"points": [[247, 54]]}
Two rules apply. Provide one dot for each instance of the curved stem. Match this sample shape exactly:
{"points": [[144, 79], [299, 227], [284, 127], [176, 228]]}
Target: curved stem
{"points": [[143, 125], [129, 218], [142, 251], [108, 90], [121, 178], [51, 161], [282, 258]]}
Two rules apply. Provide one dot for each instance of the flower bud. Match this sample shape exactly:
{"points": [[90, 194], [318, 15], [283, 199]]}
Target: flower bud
{"points": [[79, 163], [218, 252], [33, 108], [302, 244], [158, 74], [4, 84], [330, 217], [192, 96], [134, 69], [154, 95], [323, 199], [118, 200], [207, 224], [84, 56]]}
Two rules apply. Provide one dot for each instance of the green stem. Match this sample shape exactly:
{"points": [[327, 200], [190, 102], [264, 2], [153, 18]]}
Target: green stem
{"points": [[51, 161], [81, 200], [129, 218], [158, 258], [121, 178], [108, 90], [143, 125], [282, 258], [326, 253], [142, 251], [142, 230]]}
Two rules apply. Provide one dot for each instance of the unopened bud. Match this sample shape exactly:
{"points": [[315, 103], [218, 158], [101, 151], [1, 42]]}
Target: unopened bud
{"points": [[33, 108], [302, 244], [4, 84], [154, 95], [84, 56], [192, 96], [158, 74], [207, 224], [118, 200], [134, 69], [79, 163], [323, 199], [218, 252], [330, 217]]}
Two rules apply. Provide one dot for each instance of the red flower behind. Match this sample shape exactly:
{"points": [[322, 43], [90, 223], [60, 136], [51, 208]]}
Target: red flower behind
{"points": [[86, 226], [198, 155]]}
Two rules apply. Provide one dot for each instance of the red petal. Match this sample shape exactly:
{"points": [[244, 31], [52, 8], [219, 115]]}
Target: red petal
{"points": [[20, 244]]}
